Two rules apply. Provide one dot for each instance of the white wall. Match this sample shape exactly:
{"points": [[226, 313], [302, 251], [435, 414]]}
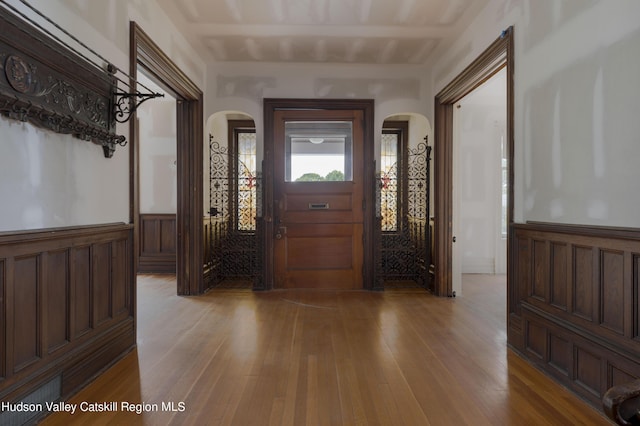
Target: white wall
{"points": [[236, 87], [481, 122], [50, 180], [577, 133], [395, 89], [158, 153]]}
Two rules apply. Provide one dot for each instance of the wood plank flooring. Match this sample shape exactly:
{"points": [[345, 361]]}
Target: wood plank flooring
{"points": [[400, 357]]}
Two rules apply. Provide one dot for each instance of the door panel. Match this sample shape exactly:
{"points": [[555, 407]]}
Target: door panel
{"points": [[318, 224], [304, 251]]}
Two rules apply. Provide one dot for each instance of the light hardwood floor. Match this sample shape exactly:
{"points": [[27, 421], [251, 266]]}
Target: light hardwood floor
{"points": [[399, 357]]}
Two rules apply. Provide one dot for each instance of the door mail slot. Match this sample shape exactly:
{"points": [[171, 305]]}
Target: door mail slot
{"points": [[318, 206]]}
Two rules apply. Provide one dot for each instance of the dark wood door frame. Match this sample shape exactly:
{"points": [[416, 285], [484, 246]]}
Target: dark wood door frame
{"points": [[367, 108], [492, 60], [190, 126]]}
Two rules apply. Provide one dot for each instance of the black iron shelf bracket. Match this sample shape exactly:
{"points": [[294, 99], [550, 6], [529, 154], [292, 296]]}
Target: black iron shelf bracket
{"points": [[127, 103]]}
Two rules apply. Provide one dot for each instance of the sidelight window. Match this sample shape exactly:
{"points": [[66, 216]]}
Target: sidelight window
{"points": [[389, 180], [391, 171], [244, 176]]}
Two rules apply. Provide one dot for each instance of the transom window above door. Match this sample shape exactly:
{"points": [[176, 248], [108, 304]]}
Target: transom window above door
{"points": [[318, 151]]}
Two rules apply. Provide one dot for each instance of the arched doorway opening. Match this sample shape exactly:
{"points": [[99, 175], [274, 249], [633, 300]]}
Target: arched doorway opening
{"points": [[403, 194], [232, 208]]}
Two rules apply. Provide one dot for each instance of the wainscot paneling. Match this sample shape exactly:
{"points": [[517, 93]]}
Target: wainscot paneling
{"points": [[207, 252], [67, 304], [3, 351], [157, 243], [573, 303]]}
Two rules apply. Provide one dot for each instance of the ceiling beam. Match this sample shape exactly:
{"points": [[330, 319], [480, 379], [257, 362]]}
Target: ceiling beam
{"points": [[222, 30], [218, 49], [253, 48], [421, 54], [278, 9], [354, 49], [320, 52], [234, 9], [387, 51], [286, 49], [404, 11], [365, 10], [321, 9]]}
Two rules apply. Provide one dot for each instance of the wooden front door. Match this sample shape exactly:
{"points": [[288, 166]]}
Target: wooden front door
{"points": [[318, 199]]}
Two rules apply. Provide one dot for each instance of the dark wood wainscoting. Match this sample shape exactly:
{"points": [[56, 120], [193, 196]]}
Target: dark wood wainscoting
{"points": [[207, 251], [573, 304], [157, 243], [67, 307]]}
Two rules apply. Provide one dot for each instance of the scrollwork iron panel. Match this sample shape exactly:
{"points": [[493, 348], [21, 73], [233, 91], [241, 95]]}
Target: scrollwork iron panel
{"points": [[389, 182], [235, 249], [404, 253]]}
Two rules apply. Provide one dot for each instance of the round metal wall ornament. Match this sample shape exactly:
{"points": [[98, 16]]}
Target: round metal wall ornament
{"points": [[18, 73]]}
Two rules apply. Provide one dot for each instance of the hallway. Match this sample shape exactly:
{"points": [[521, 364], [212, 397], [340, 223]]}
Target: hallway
{"points": [[327, 358]]}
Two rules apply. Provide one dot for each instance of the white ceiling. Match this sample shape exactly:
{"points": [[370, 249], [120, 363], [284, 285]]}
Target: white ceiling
{"points": [[335, 31]]}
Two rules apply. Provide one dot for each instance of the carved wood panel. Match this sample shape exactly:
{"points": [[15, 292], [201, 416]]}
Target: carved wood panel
{"points": [[26, 312], [536, 339], [618, 376], [575, 289], [540, 270], [522, 276], [3, 360], [158, 243], [612, 290], [560, 356], [60, 291], [47, 84], [583, 281], [559, 278], [120, 272], [57, 300], [168, 235], [81, 291], [101, 281], [588, 372], [636, 296]]}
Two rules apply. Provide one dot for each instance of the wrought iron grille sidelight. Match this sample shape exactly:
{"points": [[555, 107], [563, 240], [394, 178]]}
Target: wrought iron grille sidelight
{"points": [[402, 233], [391, 182], [233, 230]]}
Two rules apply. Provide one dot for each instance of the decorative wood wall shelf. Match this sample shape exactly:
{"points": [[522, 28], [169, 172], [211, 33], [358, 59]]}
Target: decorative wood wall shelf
{"points": [[47, 84]]}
